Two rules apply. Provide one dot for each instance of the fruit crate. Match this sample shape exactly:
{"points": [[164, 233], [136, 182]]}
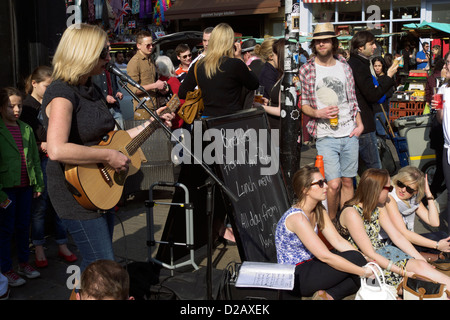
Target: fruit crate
{"points": [[405, 109]]}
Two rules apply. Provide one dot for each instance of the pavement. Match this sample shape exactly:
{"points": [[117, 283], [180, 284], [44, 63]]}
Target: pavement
{"points": [[130, 245]]}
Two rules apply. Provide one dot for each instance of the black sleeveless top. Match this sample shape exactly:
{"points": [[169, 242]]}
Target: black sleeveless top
{"points": [[91, 121]]}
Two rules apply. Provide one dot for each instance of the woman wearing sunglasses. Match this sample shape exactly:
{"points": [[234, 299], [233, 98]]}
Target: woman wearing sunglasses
{"points": [[324, 274], [405, 201], [76, 116], [361, 221]]}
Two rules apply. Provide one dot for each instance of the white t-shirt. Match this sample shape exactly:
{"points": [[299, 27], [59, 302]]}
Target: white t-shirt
{"points": [[445, 90], [330, 90]]}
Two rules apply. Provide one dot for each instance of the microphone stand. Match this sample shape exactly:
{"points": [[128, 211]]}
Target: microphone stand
{"points": [[210, 181]]}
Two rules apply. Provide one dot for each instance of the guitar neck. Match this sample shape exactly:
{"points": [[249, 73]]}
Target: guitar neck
{"points": [[135, 143]]}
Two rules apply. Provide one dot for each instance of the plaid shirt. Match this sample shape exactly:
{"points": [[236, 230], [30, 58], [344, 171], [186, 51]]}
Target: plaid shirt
{"points": [[307, 76]]}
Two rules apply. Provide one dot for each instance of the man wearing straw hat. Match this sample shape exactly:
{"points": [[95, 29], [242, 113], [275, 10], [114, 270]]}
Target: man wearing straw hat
{"points": [[328, 92]]}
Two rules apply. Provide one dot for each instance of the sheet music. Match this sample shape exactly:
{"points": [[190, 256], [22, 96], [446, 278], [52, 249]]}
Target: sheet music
{"points": [[266, 275]]}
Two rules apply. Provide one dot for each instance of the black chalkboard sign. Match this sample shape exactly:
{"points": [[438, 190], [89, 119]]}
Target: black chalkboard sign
{"points": [[251, 170]]}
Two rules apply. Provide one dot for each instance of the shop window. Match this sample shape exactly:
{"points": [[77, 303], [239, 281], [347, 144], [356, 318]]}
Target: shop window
{"points": [[406, 9], [349, 11], [323, 12], [440, 13], [384, 8]]}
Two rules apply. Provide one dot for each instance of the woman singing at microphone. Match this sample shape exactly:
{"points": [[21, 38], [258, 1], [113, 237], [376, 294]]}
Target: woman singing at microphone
{"points": [[76, 117]]}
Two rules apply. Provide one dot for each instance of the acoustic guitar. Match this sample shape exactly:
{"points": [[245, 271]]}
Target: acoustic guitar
{"points": [[98, 186]]}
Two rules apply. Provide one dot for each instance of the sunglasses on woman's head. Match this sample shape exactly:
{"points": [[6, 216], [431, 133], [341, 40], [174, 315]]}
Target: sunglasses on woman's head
{"points": [[321, 182], [408, 189], [390, 188]]}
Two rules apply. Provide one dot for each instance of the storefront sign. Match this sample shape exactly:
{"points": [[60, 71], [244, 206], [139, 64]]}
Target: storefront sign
{"points": [[218, 14]]}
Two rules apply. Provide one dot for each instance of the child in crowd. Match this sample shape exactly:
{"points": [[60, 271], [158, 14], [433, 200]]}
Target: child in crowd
{"points": [[104, 280], [42, 208], [21, 179]]}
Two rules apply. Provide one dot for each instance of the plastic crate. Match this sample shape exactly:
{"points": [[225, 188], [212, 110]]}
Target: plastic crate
{"points": [[405, 109]]}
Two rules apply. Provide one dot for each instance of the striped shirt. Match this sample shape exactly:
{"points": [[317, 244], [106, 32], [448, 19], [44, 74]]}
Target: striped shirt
{"points": [[307, 76], [17, 136]]}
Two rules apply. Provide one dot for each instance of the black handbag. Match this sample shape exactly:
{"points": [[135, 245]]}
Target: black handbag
{"points": [[422, 288]]}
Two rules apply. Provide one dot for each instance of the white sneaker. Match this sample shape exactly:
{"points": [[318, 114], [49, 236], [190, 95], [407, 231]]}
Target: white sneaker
{"points": [[28, 271], [14, 280]]}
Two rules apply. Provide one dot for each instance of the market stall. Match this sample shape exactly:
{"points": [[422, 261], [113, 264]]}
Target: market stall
{"points": [[410, 100]]}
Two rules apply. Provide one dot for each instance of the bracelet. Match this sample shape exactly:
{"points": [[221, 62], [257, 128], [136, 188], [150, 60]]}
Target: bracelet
{"points": [[390, 265], [437, 245], [430, 198]]}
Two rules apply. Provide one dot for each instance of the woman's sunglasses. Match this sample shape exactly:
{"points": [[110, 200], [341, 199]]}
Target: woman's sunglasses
{"points": [[390, 188], [321, 182], [104, 53], [408, 189]]}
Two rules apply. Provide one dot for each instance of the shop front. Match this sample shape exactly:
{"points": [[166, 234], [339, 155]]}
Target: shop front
{"points": [[253, 18], [384, 17]]}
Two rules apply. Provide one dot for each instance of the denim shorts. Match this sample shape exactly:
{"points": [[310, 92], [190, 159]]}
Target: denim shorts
{"points": [[340, 156], [393, 253]]}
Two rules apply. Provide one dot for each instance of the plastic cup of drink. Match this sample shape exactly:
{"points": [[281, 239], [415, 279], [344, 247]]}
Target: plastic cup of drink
{"points": [[259, 93], [439, 97], [334, 122]]}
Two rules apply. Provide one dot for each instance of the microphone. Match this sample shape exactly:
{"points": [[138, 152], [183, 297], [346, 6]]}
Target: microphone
{"points": [[113, 69]]}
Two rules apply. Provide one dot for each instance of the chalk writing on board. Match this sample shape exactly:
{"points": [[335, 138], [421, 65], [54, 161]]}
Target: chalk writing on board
{"points": [[262, 197]]}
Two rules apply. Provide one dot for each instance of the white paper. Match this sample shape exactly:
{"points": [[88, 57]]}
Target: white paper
{"points": [[266, 275]]}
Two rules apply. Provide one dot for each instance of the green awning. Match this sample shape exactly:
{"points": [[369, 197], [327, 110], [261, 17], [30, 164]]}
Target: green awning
{"points": [[428, 29]]}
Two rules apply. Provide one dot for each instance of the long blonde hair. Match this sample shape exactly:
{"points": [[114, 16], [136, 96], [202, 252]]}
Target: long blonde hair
{"points": [[221, 43], [266, 50], [78, 52]]}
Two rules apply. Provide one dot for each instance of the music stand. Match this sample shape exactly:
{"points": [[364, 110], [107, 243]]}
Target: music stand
{"points": [[211, 181]]}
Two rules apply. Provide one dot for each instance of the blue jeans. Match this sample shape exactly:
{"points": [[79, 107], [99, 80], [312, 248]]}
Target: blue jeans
{"points": [[381, 131], [15, 220], [93, 238], [40, 208], [368, 150]]}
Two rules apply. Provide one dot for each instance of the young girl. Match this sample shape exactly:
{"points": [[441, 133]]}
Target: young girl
{"points": [[405, 201], [361, 221], [21, 180], [328, 275], [35, 88]]}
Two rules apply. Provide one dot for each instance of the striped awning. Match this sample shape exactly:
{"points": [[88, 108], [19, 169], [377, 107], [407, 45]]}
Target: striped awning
{"points": [[327, 1]]}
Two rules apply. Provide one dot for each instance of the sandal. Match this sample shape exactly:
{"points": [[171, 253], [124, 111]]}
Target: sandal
{"points": [[320, 295], [443, 261]]}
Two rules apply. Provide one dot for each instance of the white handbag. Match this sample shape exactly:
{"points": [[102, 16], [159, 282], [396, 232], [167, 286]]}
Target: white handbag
{"points": [[375, 288]]}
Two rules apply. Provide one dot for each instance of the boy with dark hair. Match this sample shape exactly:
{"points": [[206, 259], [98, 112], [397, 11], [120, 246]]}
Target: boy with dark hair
{"points": [[184, 55]]}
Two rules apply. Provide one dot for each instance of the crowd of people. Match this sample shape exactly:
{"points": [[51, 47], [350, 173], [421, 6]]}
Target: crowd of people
{"points": [[72, 105], [375, 220]]}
